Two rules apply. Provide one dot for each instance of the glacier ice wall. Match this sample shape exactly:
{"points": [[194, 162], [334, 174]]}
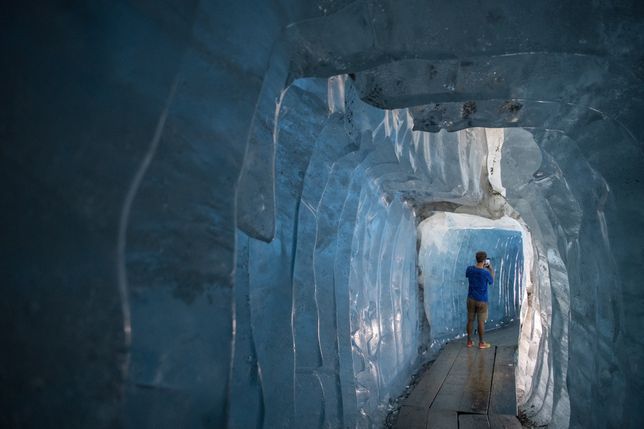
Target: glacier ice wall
{"points": [[563, 200], [139, 160], [332, 301]]}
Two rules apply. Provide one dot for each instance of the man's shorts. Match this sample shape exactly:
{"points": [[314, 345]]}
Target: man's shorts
{"points": [[476, 307]]}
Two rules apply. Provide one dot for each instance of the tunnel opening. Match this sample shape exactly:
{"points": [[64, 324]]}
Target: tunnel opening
{"points": [[448, 242]]}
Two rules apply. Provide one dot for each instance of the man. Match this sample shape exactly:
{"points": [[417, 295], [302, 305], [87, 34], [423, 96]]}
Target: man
{"points": [[479, 276]]}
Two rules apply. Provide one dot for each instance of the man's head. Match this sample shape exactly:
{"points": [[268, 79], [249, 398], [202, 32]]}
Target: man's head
{"points": [[481, 256]]}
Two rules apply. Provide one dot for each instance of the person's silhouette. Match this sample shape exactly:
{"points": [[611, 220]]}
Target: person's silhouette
{"points": [[479, 277]]}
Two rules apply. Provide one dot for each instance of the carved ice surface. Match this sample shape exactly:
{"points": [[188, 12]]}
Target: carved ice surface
{"points": [[333, 299]]}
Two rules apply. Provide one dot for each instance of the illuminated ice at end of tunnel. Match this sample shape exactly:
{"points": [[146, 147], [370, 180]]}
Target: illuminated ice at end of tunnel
{"points": [[449, 242]]}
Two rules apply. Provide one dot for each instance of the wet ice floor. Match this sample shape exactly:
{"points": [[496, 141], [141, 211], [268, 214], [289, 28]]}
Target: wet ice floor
{"points": [[467, 388]]}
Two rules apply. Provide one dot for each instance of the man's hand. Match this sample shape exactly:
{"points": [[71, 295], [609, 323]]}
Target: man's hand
{"points": [[490, 269]]}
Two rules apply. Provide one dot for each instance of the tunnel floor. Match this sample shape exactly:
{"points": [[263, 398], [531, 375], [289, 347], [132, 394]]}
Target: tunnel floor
{"points": [[467, 388]]}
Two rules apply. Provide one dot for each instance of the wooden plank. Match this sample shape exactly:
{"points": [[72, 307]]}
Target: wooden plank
{"points": [[507, 336], [467, 386], [450, 393], [442, 419], [476, 394], [473, 421], [427, 388], [411, 417], [503, 395], [504, 422]]}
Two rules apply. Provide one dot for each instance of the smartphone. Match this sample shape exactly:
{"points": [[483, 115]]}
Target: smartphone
{"points": [[487, 263]]}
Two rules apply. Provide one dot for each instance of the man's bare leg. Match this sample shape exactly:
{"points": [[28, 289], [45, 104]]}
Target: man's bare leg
{"points": [[481, 329], [469, 329]]}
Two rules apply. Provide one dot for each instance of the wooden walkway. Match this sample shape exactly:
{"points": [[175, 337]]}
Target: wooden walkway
{"points": [[466, 388]]}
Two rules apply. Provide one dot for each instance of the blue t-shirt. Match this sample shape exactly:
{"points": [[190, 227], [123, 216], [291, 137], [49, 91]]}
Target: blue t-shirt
{"points": [[479, 278]]}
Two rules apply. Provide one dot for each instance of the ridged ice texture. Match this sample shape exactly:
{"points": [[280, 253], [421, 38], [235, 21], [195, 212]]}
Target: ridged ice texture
{"points": [[329, 316], [448, 242]]}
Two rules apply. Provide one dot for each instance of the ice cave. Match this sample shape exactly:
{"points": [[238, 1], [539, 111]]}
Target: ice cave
{"points": [[257, 214]]}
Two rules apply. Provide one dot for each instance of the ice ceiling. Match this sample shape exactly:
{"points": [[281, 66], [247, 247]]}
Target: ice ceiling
{"points": [[211, 209]]}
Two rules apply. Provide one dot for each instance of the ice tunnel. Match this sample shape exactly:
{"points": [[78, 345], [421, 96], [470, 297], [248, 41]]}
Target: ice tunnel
{"points": [[257, 214]]}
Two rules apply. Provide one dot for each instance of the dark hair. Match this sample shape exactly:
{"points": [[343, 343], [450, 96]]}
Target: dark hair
{"points": [[481, 256]]}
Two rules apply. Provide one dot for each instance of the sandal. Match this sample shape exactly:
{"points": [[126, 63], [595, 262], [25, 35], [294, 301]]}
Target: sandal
{"points": [[484, 345]]}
